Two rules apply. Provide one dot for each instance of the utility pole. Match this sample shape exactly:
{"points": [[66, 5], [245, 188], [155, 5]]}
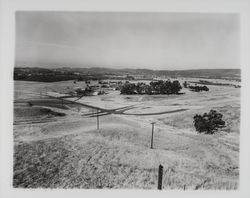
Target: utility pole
{"points": [[97, 119], [152, 136]]}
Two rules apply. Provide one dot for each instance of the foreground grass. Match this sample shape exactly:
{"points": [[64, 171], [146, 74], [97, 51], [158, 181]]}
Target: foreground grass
{"points": [[55, 163], [103, 161]]}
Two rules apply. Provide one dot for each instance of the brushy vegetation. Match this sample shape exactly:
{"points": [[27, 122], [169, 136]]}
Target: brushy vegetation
{"points": [[208, 122], [155, 87], [49, 111], [198, 88], [195, 88], [185, 84]]}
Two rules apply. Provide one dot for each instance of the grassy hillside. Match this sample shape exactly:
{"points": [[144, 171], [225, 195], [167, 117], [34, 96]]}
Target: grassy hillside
{"points": [[68, 151]]}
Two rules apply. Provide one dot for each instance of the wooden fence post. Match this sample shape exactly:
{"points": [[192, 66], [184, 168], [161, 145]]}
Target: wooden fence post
{"points": [[97, 119], [160, 173], [152, 136]]}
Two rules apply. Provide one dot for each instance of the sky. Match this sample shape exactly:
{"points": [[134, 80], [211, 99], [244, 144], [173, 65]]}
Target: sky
{"points": [[170, 41]]}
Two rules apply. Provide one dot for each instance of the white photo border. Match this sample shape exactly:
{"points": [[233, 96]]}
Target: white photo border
{"points": [[7, 58]]}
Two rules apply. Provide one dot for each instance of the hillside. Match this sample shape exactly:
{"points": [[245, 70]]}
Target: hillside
{"points": [[98, 73]]}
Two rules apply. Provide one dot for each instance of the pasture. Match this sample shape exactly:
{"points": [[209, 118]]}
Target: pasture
{"points": [[52, 151]]}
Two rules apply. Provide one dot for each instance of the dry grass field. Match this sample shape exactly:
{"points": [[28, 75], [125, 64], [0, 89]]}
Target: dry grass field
{"points": [[53, 150]]}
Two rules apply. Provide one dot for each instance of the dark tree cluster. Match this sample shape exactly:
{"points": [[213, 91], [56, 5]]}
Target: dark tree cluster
{"points": [[198, 88], [208, 122], [185, 84], [155, 87], [43, 77], [51, 75]]}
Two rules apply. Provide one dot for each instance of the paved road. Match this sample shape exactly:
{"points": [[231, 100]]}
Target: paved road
{"points": [[100, 111]]}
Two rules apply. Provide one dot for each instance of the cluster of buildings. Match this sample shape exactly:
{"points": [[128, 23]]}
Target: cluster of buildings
{"points": [[92, 88]]}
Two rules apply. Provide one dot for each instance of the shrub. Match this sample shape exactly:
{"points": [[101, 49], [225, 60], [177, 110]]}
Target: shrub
{"points": [[208, 122], [198, 88], [185, 84]]}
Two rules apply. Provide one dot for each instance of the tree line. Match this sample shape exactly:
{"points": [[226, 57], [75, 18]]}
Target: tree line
{"points": [[198, 88], [195, 88], [153, 88]]}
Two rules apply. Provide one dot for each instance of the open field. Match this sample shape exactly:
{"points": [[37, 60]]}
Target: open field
{"points": [[62, 148]]}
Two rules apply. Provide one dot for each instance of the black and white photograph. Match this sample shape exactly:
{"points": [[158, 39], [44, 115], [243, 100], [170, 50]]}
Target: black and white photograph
{"points": [[126, 100], [129, 98]]}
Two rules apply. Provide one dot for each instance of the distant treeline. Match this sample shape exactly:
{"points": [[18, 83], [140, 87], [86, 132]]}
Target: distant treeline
{"points": [[155, 87], [67, 73], [205, 82], [195, 88], [198, 88], [44, 78], [56, 78], [47, 75]]}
